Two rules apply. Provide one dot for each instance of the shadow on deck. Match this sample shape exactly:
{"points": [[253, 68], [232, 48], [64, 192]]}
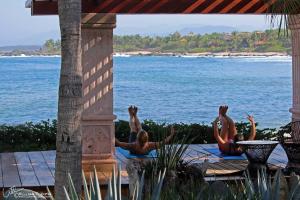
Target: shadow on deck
{"points": [[35, 170]]}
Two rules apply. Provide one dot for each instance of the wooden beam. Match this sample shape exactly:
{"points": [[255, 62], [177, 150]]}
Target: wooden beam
{"points": [[49, 7]]}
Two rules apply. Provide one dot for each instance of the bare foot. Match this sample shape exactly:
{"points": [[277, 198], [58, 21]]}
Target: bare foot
{"points": [[135, 110], [220, 110], [130, 110], [225, 108]]}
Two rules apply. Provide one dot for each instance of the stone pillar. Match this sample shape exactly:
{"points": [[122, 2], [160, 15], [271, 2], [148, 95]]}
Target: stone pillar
{"points": [[294, 25], [97, 118]]}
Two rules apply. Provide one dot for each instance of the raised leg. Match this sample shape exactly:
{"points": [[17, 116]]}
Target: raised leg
{"points": [[224, 129], [231, 128]]}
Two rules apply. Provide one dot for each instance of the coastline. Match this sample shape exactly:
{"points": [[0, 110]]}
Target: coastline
{"points": [[171, 54], [204, 54]]}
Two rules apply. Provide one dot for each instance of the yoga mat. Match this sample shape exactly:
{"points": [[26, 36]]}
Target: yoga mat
{"points": [[127, 154], [218, 153]]}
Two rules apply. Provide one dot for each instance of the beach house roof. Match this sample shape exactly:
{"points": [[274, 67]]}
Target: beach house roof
{"points": [[49, 7]]}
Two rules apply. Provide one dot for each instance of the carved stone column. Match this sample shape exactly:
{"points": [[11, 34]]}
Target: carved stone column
{"points": [[97, 118], [294, 25]]}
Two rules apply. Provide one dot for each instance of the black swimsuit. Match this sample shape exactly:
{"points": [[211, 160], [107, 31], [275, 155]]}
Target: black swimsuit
{"points": [[132, 137]]}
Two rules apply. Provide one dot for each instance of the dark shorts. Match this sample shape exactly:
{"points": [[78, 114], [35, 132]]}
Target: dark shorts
{"points": [[132, 137], [234, 150]]}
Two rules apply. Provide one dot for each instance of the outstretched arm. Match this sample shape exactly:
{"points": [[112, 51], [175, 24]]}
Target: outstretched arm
{"points": [[167, 140], [216, 132], [253, 128], [123, 145]]}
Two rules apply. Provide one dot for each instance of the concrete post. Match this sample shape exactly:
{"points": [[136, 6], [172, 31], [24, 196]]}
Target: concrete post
{"points": [[97, 117]]}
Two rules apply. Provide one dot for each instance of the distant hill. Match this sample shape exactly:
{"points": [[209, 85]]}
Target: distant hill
{"points": [[166, 30], [207, 29], [21, 48]]}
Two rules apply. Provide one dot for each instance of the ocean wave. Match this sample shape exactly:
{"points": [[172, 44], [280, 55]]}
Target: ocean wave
{"points": [[121, 55]]}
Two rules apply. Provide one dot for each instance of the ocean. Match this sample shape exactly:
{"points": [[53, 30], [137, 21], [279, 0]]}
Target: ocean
{"points": [[166, 89]]}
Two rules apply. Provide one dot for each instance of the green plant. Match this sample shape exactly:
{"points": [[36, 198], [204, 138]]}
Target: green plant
{"points": [[266, 188], [263, 187], [28, 136], [200, 133], [42, 135], [92, 191], [179, 172]]}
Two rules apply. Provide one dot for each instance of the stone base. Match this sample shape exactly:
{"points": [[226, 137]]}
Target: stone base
{"points": [[102, 165]]}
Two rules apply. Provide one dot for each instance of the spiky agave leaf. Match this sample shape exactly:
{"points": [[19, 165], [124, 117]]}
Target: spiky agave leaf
{"points": [[66, 194], [119, 183], [92, 189], [279, 187], [294, 187], [96, 185], [114, 184], [109, 194], [157, 189], [141, 186], [49, 194], [72, 190], [85, 187], [135, 193]]}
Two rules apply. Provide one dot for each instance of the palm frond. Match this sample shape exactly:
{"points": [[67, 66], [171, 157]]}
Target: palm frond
{"points": [[279, 12]]}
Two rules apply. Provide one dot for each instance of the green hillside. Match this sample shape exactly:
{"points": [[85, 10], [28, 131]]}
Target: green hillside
{"points": [[258, 41]]}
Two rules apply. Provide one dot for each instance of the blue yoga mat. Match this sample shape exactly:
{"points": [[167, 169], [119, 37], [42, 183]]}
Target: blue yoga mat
{"points": [[127, 154], [218, 153]]}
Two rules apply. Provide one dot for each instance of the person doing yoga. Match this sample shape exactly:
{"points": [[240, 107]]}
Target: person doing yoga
{"points": [[228, 137], [141, 144]]}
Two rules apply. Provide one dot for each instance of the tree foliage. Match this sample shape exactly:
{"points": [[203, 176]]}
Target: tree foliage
{"points": [[257, 41], [42, 135], [51, 46]]}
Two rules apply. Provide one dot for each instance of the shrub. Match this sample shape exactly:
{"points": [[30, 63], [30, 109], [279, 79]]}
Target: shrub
{"points": [[28, 136], [41, 136], [201, 133]]}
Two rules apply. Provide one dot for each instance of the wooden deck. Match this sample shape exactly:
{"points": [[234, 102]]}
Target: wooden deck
{"points": [[36, 169]]}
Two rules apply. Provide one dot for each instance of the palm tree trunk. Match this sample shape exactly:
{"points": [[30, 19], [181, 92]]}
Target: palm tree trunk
{"points": [[68, 139]]}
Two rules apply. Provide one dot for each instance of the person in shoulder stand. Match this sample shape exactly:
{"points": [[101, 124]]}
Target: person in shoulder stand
{"points": [[141, 144], [228, 137]]}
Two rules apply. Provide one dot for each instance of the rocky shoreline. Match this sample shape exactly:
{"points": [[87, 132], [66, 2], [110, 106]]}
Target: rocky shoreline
{"points": [[204, 54]]}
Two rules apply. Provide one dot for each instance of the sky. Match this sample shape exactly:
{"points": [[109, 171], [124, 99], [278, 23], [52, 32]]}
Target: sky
{"points": [[18, 27]]}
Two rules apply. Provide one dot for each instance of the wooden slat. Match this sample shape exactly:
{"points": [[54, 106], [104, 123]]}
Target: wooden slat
{"points": [[223, 178], [26, 173], [1, 177], [41, 168], [211, 157], [230, 168], [194, 156], [215, 169], [159, 7], [17, 172], [238, 164], [10, 171]]}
